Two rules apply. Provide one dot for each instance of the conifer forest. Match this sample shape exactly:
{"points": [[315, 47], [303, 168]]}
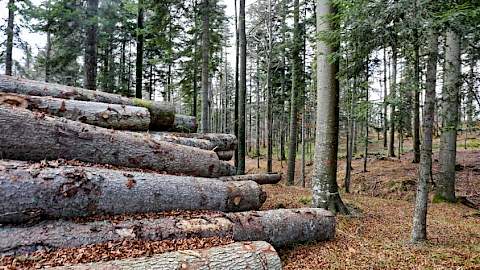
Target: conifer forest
{"points": [[239, 134]]}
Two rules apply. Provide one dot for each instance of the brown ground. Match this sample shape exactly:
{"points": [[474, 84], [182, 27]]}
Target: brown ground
{"points": [[376, 239]]}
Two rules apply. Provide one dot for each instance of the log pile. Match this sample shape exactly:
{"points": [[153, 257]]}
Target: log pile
{"points": [[81, 168]]}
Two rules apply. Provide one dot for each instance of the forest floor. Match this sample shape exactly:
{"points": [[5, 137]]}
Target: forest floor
{"points": [[378, 237]]}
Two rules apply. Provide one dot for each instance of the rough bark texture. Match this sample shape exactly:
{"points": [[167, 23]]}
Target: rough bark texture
{"points": [[450, 104], [205, 63], [242, 89], [283, 227], [30, 136], [393, 90], [184, 123], [280, 227], [162, 113], [236, 256], [419, 230], [262, 179], [324, 181], [91, 45], [222, 142], [52, 235], [139, 58], [70, 191], [94, 113], [225, 155], [9, 42]]}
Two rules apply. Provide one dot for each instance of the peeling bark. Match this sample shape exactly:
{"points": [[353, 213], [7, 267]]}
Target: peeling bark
{"points": [[162, 113], [77, 191], [32, 136], [236, 256], [105, 115]]}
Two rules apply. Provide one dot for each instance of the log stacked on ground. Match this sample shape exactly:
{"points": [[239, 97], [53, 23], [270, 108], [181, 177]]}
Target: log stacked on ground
{"points": [[78, 191], [236, 256], [105, 115], [184, 123], [30, 136], [261, 179], [162, 113], [279, 227]]}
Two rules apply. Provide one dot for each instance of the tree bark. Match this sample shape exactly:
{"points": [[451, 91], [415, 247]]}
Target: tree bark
{"points": [[296, 87], [221, 141], [184, 123], [162, 114], [9, 45], [30, 136], [261, 179], [419, 230], [94, 113], [416, 96], [71, 191], [225, 155], [242, 89], [450, 103], [205, 65], [280, 227], [236, 256], [139, 59], [324, 180], [393, 87], [385, 98], [91, 45]]}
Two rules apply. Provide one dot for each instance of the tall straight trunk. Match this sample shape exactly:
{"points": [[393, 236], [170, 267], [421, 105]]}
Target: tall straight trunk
{"points": [[419, 230], [195, 62], [91, 46], [296, 88], [9, 49], [237, 56], [205, 65], [257, 150], [450, 106], [324, 180], [48, 53], [365, 157], [385, 97], [283, 82], [139, 59], [416, 95], [393, 86], [242, 90], [269, 91]]}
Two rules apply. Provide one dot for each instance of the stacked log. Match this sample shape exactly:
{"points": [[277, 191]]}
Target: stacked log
{"points": [[280, 227], [29, 136], [78, 191], [162, 114], [261, 179], [236, 256], [122, 117]]}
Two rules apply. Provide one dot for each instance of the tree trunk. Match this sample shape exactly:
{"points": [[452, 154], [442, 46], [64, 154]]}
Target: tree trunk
{"points": [[48, 49], [139, 59], [91, 46], [367, 114], [205, 65], [221, 142], [237, 60], [184, 123], [9, 45], [416, 97], [70, 191], [261, 179], [236, 256], [162, 114], [280, 227], [391, 146], [105, 115], [450, 104], [296, 86], [30, 136], [242, 90], [419, 230], [257, 140], [385, 102], [324, 180]]}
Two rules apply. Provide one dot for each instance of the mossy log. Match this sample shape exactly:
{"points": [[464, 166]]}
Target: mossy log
{"points": [[236, 256], [115, 116], [162, 113], [26, 135]]}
